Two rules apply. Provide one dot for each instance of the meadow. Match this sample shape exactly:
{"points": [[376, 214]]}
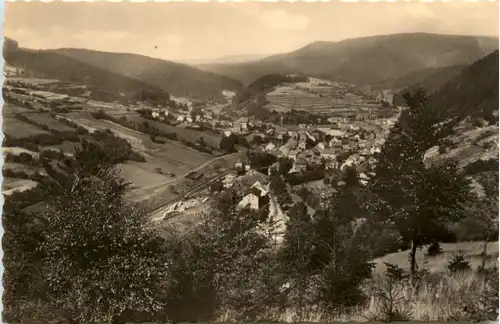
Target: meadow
{"points": [[18, 129], [190, 135]]}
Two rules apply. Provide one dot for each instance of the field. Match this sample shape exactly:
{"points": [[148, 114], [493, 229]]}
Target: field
{"points": [[11, 185], [141, 174], [17, 151], [9, 109], [190, 135], [18, 167], [469, 144], [319, 99], [471, 250], [18, 129], [67, 147], [50, 122]]}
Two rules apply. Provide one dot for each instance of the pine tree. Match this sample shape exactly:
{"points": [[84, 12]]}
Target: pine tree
{"points": [[417, 200]]}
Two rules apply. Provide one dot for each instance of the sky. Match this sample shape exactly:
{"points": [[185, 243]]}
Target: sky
{"points": [[190, 31]]}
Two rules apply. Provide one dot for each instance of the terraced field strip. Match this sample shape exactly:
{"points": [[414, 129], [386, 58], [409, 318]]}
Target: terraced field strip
{"points": [[50, 122], [19, 129]]}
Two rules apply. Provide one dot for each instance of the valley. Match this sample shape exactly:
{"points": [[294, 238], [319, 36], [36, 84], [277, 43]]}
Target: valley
{"points": [[351, 179]]}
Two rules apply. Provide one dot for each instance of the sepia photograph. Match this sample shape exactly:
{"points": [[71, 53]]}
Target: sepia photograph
{"points": [[250, 162]]}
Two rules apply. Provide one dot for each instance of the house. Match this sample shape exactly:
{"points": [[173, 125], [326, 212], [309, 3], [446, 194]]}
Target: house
{"points": [[292, 154], [249, 201], [284, 149], [300, 165], [242, 124], [337, 148], [332, 132], [374, 150], [332, 164], [270, 146], [228, 180], [329, 154], [335, 141], [262, 190], [335, 119], [320, 146], [292, 143], [310, 137]]}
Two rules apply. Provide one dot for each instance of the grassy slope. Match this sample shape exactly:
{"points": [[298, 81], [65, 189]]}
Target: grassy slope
{"points": [[368, 60], [471, 250], [175, 78]]}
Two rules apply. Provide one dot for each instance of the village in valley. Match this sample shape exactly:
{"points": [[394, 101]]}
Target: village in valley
{"points": [[317, 148]]}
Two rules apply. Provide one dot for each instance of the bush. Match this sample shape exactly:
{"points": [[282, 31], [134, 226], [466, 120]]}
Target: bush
{"points": [[458, 263], [434, 249]]}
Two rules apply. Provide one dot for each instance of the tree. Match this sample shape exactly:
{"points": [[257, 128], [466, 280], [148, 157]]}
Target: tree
{"points": [[482, 212], [285, 165], [417, 200], [297, 249], [279, 189], [100, 256], [219, 263]]}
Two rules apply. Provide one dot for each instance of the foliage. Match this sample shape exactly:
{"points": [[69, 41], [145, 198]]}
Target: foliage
{"points": [[261, 159], [389, 295], [228, 143], [279, 189], [458, 263], [418, 201], [434, 249], [285, 165], [223, 263], [100, 257]]}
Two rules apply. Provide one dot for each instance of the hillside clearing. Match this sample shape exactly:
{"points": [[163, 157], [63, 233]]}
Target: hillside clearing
{"points": [[472, 252]]}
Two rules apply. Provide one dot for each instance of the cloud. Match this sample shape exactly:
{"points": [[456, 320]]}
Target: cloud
{"points": [[281, 19]]}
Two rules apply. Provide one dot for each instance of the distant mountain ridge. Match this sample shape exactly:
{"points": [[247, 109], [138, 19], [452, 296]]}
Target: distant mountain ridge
{"points": [[57, 66], [178, 79], [226, 59], [367, 60]]}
